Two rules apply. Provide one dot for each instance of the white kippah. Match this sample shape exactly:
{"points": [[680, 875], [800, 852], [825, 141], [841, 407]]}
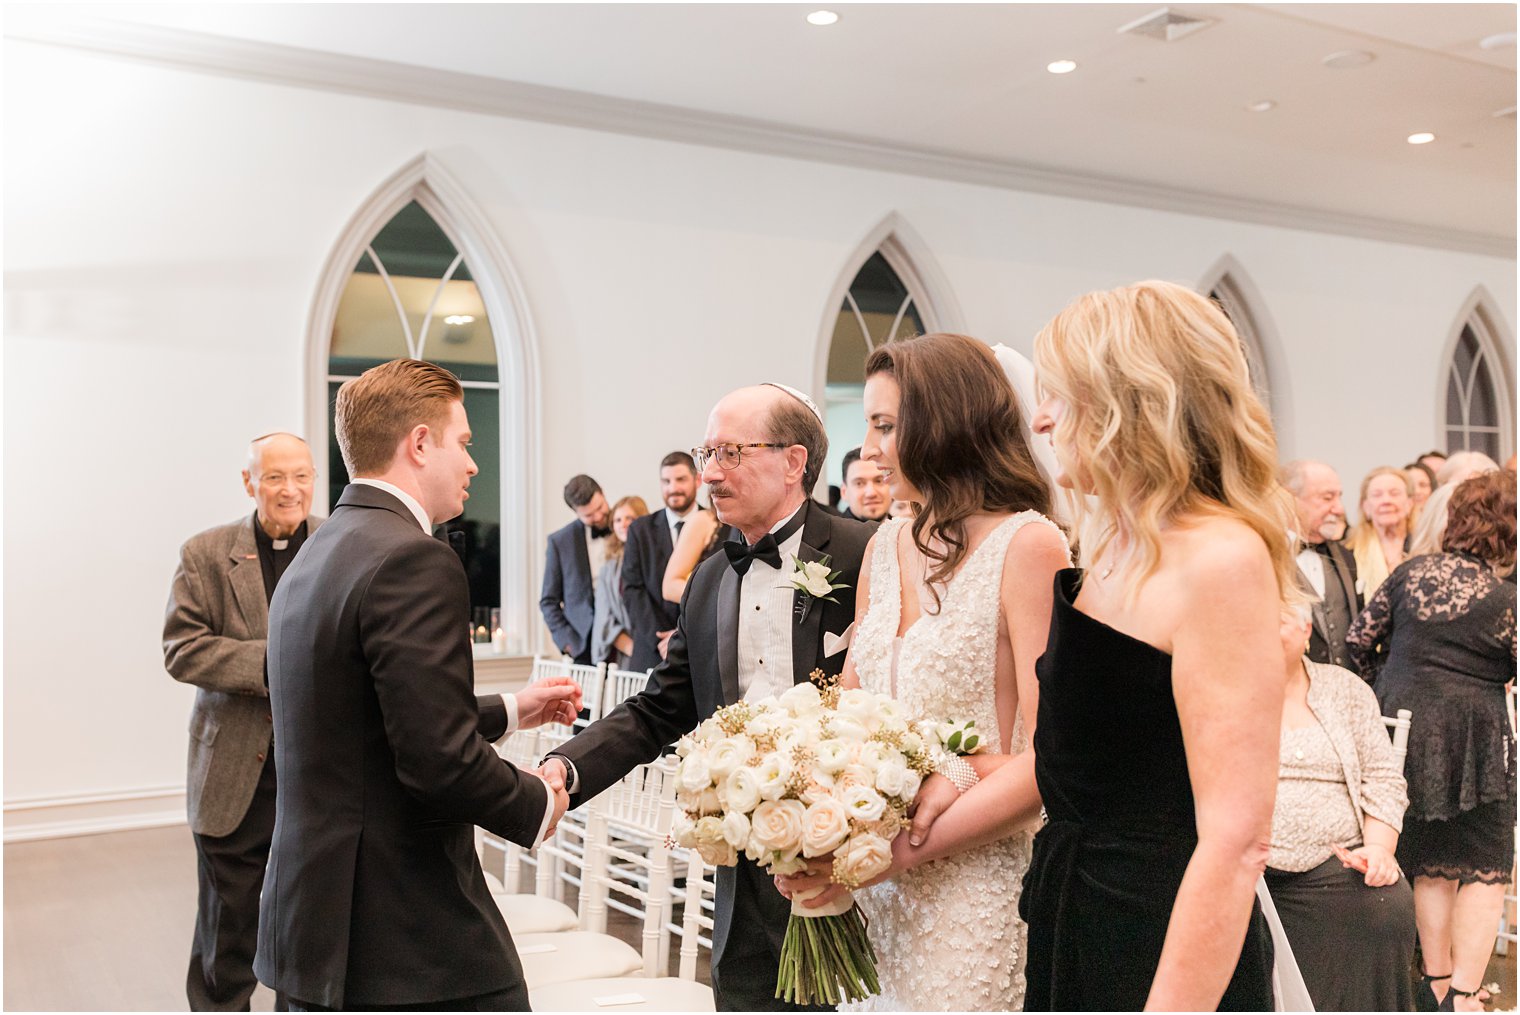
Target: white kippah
{"points": [[799, 396]]}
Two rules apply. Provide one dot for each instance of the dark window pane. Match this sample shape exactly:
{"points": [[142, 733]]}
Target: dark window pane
{"points": [[413, 244], [1482, 408], [1453, 400], [1488, 443], [880, 297], [337, 475], [481, 521], [1466, 351], [1456, 440]]}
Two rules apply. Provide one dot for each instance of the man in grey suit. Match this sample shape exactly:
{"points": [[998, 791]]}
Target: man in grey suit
{"points": [[575, 557], [214, 637]]}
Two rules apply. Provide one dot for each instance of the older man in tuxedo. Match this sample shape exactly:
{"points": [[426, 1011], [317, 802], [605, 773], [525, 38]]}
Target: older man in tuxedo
{"points": [[214, 637], [651, 540], [743, 633], [1328, 568], [374, 897]]}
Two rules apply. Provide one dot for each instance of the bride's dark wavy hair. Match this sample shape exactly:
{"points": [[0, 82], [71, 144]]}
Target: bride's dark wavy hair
{"points": [[960, 441]]}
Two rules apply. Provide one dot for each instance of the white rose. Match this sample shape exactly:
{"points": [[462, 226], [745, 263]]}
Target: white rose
{"points": [[789, 865], [855, 777], [690, 800], [832, 756], [871, 754], [773, 774], [777, 826], [802, 700], [847, 729], [743, 790], [709, 829], [819, 785], [735, 829], [860, 705], [695, 774], [912, 743], [683, 830], [685, 746], [719, 854], [863, 803], [825, 825], [728, 754], [710, 802], [862, 858], [912, 781], [891, 776]]}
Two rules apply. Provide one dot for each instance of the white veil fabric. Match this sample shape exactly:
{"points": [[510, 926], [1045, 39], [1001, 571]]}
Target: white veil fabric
{"points": [[1288, 990]]}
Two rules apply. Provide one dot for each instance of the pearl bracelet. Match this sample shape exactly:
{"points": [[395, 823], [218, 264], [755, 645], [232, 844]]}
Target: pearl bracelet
{"points": [[958, 770]]}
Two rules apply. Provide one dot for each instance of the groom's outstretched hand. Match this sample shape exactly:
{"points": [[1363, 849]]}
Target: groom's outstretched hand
{"points": [[551, 700]]}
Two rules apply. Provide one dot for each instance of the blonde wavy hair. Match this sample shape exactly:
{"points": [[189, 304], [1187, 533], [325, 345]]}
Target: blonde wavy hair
{"points": [[1161, 421]]}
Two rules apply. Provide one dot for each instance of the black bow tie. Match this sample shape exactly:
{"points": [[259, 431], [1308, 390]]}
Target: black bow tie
{"points": [[600, 533], [767, 548], [741, 555]]}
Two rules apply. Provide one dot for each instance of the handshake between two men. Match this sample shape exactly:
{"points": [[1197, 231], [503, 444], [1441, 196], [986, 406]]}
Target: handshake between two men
{"points": [[550, 701]]}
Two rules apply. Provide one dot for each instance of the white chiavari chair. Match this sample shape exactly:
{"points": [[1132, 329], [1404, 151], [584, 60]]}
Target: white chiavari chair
{"points": [[1398, 728], [622, 685], [590, 953], [590, 679]]}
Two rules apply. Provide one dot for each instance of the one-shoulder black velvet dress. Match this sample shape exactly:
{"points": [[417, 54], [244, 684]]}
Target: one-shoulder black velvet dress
{"points": [[1111, 769]]}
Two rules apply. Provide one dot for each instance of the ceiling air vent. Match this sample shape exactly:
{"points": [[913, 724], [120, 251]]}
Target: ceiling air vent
{"points": [[1166, 24], [1508, 114]]}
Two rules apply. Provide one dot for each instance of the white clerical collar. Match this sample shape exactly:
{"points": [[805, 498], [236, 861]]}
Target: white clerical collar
{"points": [[404, 497]]}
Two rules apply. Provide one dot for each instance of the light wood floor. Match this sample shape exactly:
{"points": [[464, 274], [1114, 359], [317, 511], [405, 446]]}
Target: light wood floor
{"points": [[103, 922]]}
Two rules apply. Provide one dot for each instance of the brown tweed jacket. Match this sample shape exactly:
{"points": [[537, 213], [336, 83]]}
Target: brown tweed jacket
{"points": [[215, 628]]}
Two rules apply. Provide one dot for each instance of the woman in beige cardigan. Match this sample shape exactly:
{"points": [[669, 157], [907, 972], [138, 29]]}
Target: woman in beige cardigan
{"points": [[1344, 904]]}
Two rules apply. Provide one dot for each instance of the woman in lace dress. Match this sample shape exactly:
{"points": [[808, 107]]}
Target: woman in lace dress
{"points": [[955, 610], [1438, 638]]}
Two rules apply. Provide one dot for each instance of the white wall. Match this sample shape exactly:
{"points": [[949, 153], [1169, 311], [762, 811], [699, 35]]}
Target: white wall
{"points": [[163, 236]]}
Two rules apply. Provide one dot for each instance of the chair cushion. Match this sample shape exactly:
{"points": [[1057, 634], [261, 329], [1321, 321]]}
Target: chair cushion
{"points": [[659, 994], [574, 955], [534, 914]]}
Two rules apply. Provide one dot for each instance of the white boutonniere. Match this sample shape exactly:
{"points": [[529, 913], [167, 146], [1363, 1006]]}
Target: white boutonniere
{"points": [[814, 578]]}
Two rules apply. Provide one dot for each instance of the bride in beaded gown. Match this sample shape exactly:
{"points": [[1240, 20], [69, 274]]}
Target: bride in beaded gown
{"points": [[953, 633]]}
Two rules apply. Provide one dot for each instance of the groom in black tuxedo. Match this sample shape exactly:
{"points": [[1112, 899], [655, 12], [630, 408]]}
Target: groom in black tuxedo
{"points": [[743, 632], [374, 898]]}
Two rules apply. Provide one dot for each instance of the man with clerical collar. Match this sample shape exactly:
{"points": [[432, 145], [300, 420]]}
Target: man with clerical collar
{"points": [[1328, 567], [215, 634]]}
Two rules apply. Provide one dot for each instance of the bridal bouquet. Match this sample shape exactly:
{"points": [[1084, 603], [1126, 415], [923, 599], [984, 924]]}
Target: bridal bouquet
{"points": [[817, 771]]}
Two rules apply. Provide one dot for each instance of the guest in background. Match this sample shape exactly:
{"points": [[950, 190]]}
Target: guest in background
{"points": [[1142, 889], [1340, 794], [611, 637], [1381, 539], [651, 617], [576, 555], [1433, 460], [865, 489], [699, 540], [1422, 481], [1464, 464], [215, 632], [1439, 639], [1327, 566], [1431, 528]]}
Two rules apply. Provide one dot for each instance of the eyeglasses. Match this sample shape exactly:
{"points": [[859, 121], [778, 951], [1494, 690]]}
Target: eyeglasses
{"points": [[279, 479], [728, 455]]}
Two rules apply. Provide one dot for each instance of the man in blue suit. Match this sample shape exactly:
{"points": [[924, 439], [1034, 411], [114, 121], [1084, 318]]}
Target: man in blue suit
{"points": [[576, 555]]}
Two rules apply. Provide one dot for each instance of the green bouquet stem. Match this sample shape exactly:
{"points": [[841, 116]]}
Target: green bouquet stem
{"points": [[827, 960]]}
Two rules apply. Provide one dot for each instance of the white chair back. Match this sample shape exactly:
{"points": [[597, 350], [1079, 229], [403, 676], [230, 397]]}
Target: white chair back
{"points": [[1399, 728], [590, 679], [622, 685], [638, 872], [696, 912]]}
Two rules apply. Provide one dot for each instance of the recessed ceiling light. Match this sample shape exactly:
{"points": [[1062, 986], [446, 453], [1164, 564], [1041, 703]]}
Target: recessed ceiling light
{"points": [[822, 18], [459, 319], [1061, 66], [1347, 59], [1500, 41], [1263, 106], [1423, 137]]}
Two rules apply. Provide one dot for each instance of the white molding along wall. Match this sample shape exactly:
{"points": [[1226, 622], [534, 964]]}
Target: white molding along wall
{"points": [[427, 181], [33, 818], [1481, 312], [384, 79]]}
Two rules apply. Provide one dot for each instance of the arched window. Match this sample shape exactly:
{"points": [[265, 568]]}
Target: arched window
{"points": [[1478, 414], [891, 291], [1228, 285], [418, 274], [411, 295]]}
